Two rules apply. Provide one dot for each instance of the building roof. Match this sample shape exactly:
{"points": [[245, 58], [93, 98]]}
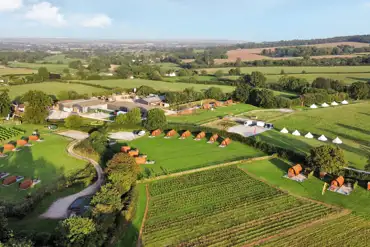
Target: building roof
{"points": [[153, 99], [81, 102], [128, 105]]}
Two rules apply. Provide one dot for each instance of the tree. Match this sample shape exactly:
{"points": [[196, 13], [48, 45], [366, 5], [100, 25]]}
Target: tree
{"points": [[124, 71], [238, 71], [204, 72], [242, 93], [37, 103], [214, 93], [145, 91], [219, 73], [73, 122], [359, 90], [98, 141], [156, 76], [66, 71], [4, 104], [107, 200], [76, 232], [75, 65], [43, 73], [4, 229], [156, 119], [238, 62], [133, 117], [327, 159], [256, 79]]}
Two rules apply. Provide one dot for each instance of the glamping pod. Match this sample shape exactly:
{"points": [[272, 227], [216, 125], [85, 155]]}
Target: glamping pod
{"points": [[295, 170], [218, 103], [140, 160], [200, 136], [134, 153], [125, 149], [34, 138], [338, 182], [10, 180], [322, 138], [344, 102], [309, 135], [206, 106], [324, 105], [228, 102], [185, 135], [284, 131], [156, 132], [322, 175], [9, 147], [334, 103], [368, 185], [213, 138], [21, 142], [171, 133], [296, 133], [26, 184], [337, 141], [313, 106], [225, 142]]}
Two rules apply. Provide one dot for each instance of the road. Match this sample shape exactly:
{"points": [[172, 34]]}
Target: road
{"points": [[59, 208]]}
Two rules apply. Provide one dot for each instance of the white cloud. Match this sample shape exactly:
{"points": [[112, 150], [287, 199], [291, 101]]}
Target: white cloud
{"points": [[98, 21], [46, 13], [9, 5]]}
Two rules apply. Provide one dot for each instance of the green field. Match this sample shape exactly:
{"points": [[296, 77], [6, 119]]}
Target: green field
{"points": [[350, 123], [46, 160], [60, 57], [51, 88], [158, 85], [174, 155], [167, 66], [15, 71], [222, 207], [272, 172], [202, 116], [55, 68], [266, 115]]}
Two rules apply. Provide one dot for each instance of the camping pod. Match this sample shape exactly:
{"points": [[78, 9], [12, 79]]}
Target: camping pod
{"points": [[229, 102], [140, 160], [334, 103], [9, 146], [226, 142], [368, 185], [125, 149], [338, 182], [309, 135], [344, 102], [21, 142], [186, 134], [313, 106], [322, 175], [33, 137], [171, 133], [284, 131], [322, 138], [206, 106], [296, 133], [295, 170], [134, 153], [201, 135], [213, 138], [218, 103], [156, 132], [325, 105], [26, 184], [10, 180], [337, 141]]}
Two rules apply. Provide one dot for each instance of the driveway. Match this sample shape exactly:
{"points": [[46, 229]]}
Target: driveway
{"points": [[247, 130]]}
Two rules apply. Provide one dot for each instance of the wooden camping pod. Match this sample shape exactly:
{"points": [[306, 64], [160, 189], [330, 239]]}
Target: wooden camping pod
{"points": [[125, 149], [186, 134], [206, 106], [226, 142], [33, 138], [156, 132], [140, 160], [338, 182], [9, 147], [214, 138], [218, 103], [10, 180], [368, 185], [134, 153], [21, 142], [171, 133], [229, 102], [26, 184], [295, 170], [201, 135]]}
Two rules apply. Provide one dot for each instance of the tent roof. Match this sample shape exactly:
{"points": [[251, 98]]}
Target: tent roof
{"points": [[309, 135], [337, 141], [296, 132], [322, 138], [284, 131]]}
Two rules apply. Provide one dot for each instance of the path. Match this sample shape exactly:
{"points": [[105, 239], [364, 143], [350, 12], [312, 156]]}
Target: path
{"points": [[139, 239], [59, 209]]}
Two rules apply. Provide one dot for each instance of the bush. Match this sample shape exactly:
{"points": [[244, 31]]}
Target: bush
{"points": [[73, 122]]}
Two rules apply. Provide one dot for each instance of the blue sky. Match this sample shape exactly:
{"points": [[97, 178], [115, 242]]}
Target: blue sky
{"points": [[258, 20]]}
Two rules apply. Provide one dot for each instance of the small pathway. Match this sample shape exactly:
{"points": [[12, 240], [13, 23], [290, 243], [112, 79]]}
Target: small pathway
{"points": [[59, 208]]}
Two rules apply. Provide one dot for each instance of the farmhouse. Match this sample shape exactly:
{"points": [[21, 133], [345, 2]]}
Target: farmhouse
{"points": [[81, 105]]}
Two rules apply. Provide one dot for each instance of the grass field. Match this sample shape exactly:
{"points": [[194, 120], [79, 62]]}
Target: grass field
{"points": [[15, 71], [347, 78], [167, 66], [174, 155], [45, 160], [202, 116], [158, 85], [350, 123], [56, 68], [60, 57], [52, 88], [273, 170], [222, 207]]}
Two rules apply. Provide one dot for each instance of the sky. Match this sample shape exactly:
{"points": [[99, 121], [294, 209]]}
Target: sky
{"points": [[241, 20]]}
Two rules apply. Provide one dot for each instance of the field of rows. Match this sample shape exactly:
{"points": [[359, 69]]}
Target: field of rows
{"points": [[221, 207], [8, 133], [347, 230]]}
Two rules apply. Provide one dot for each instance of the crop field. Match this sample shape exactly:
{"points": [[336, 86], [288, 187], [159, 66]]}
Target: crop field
{"points": [[222, 207], [8, 133], [350, 123], [202, 116], [45, 160], [56, 68], [174, 155], [273, 170], [51, 88], [15, 71], [158, 85]]}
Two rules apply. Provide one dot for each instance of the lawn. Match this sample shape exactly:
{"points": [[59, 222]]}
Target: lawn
{"points": [[52, 88], [266, 115], [15, 71], [44, 160], [347, 78], [55, 68], [202, 116], [222, 207], [158, 85], [273, 170], [350, 123], [168, 66], [174, 155]]}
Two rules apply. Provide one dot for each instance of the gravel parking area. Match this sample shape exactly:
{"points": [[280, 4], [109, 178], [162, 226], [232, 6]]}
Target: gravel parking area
{"points": [[247, 130], [74, 134], [125, 136]]}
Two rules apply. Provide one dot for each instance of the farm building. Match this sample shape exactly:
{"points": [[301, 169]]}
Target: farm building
{"points": [[152, 100], [81, 105], [295, 170], [128, 106]]}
